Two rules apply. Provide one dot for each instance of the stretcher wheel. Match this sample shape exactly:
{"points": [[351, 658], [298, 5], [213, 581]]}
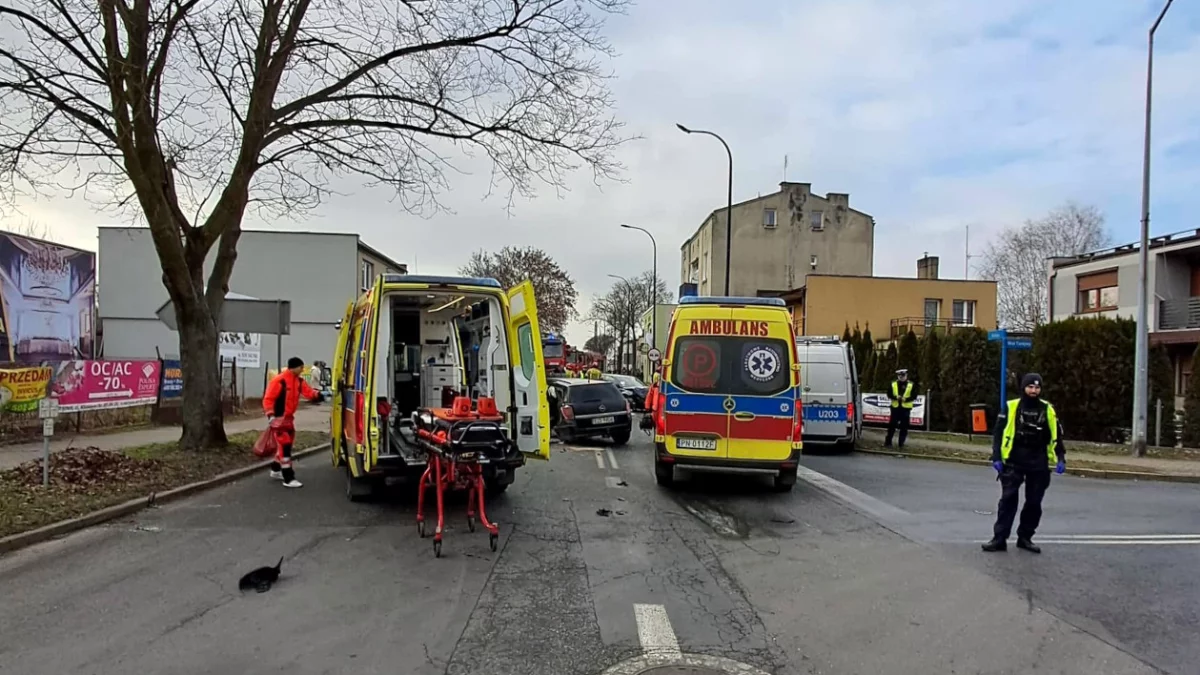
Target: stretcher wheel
{"points": [[421, 528], [492, 542], [437, 549], [470, 523]]}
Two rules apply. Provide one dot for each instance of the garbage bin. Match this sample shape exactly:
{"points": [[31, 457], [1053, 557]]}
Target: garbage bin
{"points": [[980, 412]]}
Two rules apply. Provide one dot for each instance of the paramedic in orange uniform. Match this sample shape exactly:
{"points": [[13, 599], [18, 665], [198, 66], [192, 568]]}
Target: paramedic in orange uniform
{"points": [[279, 403]]}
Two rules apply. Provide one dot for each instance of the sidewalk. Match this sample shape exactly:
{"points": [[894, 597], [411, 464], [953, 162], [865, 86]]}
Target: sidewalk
{"points": [[1151, 465], [308, 418]]}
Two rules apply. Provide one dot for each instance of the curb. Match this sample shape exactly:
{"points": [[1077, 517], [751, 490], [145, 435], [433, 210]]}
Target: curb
{"points": [[54, 530], [1086, 473]]}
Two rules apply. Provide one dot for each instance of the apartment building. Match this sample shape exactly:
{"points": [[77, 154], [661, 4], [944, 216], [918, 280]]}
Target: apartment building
{"points": [[892, 306], [1105, 283], [778, 241]]}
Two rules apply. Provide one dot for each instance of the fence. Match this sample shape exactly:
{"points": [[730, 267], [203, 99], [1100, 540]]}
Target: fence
{"points": [[98, 394]]}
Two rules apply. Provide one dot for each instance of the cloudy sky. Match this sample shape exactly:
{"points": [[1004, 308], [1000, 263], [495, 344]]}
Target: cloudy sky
{"points": [[933, 114]]}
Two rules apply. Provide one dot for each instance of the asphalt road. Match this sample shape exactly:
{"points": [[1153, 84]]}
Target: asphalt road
{"points": [[817, 581], [1119, 557]]}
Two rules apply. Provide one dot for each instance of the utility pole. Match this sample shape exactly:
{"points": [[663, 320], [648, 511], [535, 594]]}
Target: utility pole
{"points": [[1142, 344]]}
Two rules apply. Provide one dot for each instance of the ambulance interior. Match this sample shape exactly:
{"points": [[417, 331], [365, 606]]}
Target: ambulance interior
{"points": [[435, 347]]}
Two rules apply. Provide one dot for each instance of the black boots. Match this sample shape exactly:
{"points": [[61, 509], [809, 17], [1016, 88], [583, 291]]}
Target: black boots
{"points": [[996, 545]]}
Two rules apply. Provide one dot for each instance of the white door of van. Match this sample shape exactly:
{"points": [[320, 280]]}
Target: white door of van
{"points": [[826, 393]]}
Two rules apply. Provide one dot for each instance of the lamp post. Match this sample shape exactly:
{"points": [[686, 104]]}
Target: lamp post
{"points": [[653, 285], [1142, 346], [729, 201]]}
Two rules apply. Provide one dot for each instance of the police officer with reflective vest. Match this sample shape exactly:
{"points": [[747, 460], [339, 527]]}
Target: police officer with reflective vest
{"points": [[1027, 444], [902, 396]]}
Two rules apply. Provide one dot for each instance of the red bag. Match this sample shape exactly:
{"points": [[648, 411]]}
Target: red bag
{"points": [[266, 445]]}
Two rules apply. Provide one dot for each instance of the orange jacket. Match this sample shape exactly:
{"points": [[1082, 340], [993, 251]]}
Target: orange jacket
{"points": [[283, 394]]}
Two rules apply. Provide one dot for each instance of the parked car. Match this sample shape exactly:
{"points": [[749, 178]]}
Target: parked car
{"points": [[589, 408], [633, 389]]}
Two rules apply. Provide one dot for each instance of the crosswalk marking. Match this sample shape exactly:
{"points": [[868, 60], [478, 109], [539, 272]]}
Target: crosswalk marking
{"points": [[655, 631], [600, 460], [612, 460]]}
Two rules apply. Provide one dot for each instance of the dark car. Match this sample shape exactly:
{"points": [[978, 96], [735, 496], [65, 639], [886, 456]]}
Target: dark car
{"points": [[589, 408], [631, 388]]}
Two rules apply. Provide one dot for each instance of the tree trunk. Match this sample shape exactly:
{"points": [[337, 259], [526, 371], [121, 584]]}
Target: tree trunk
{"points": [[199, 356]]}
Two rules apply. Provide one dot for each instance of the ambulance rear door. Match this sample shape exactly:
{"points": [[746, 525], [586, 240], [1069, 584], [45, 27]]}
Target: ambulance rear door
{"points": [[529, 415]]}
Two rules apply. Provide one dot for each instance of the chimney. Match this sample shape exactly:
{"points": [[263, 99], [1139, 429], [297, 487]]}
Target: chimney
{"points": [[927, 267]]}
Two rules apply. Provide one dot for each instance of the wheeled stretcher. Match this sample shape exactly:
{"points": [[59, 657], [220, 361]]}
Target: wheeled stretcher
{"points": [[457, 440]]}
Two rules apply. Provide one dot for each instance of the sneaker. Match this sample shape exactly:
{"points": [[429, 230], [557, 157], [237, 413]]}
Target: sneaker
{"points": [[293, 483], [277, 475]]}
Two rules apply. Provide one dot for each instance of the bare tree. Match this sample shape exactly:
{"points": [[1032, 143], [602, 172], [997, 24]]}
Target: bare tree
{"points": [[553, 287], [1017, 260], [600, 343], [623, 305], [184, 113], [30, 228]]}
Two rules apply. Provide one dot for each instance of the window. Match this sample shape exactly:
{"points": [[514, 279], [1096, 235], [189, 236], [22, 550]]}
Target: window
{"points": [[769, 218], [694, 272], [816, 220], [735, 366], [1097, 292], [525, 345], [933, 308], [704, 268], [964, 312], [812, 261], [368, 274]]}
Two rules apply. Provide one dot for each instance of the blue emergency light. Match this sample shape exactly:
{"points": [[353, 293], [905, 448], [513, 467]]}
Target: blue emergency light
{"points": [[732, 301]]}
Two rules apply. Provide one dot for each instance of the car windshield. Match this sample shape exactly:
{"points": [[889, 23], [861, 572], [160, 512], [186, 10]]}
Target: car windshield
{"points": [[746, 366], [552, 349], [627, 381], [600, 392]]}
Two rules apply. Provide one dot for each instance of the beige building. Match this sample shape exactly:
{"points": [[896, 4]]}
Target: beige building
{"points": [[892, 306], [778, 240]]}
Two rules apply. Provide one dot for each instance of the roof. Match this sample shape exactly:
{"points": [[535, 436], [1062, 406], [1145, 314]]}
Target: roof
{"points": [[712, 214], [398, 266], [1172, 239], [797, 294], [731, 300], [435, 280]]}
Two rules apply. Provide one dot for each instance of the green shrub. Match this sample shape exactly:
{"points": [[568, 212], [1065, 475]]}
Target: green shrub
{"points": [[931, 368], [969, 374], [1162, 387], [1191, 406], [885, 369], [908, 356], [1087, 372]]}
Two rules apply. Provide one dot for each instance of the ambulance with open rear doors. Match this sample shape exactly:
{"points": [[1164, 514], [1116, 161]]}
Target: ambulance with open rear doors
{"points": [[413, 342]]}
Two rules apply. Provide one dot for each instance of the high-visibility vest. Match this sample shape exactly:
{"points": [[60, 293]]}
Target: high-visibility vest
{"points": [[908, 402], [1010, 432]]}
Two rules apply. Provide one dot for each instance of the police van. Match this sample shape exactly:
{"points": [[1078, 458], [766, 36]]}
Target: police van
{"points": [[830, 392], [413, 342]]}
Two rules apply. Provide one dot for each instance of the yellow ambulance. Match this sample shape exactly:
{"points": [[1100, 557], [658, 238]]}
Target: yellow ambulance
{"points": [[729, 397], [413, 342]]}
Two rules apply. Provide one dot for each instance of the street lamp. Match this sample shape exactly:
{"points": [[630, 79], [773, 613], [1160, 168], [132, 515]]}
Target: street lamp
{"points": [[1142, 346], [653, 285], [729, 202]]}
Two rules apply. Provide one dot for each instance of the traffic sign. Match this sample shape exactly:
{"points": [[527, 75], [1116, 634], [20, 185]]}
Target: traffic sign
{"points": [[654, 355], [994, 335], [1019, 343]]}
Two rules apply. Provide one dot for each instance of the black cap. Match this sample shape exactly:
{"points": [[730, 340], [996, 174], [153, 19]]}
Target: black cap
{"points": [[1031, 378], [295, 362]]}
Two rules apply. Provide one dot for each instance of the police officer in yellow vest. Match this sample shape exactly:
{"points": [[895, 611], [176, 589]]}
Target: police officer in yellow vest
{"points": [[902, 395], [1027, 444]]}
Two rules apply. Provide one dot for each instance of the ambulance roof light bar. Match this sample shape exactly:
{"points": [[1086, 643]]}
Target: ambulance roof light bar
{"points": [[731, 301]]}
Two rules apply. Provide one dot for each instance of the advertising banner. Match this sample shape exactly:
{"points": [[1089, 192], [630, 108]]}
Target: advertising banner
{"points": [[22, 388], [876, 409], [245, 348], [49, 301], [100, 385], [172, 381]]}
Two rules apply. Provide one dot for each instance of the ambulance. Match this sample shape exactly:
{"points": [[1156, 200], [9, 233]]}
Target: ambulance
{"points": [[413, 342], [730, 391]]}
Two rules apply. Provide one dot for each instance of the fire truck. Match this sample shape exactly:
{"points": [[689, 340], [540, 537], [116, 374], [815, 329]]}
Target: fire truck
{"points": [[554, 353]]}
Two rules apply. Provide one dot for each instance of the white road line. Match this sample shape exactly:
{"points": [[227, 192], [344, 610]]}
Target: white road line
{"points": [[855, 498], [654, 630], [1112, 542], [612, 460], [1122, 536], [600, 460]]}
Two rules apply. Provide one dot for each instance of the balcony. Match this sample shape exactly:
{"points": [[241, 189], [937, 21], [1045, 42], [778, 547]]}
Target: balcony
{"points": [[920, 326], [1182, 314]]}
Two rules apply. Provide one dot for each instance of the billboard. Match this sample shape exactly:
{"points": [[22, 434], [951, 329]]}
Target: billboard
{"points": [[47, 301], [101, 385], [171, 388], [22, 388], [876, 409], [244, 348]]}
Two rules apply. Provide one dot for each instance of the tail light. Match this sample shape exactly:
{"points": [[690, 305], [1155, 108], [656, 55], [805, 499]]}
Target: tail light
{"points": [[360, 419], [628, 407], [660, 420], [568, 412], [850, 413], [383, 407], [798, 422]]}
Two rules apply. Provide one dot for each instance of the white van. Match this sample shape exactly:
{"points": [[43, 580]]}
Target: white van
{"points": [[829, 390]]}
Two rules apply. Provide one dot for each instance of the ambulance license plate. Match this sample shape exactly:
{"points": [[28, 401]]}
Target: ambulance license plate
{"points": [[696, 443], [603, 420]]}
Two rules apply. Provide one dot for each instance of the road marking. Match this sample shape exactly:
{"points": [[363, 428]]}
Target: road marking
{"points": [[856, 498], [612, 460], [1118, 540], [655, 631], [600, 460]]}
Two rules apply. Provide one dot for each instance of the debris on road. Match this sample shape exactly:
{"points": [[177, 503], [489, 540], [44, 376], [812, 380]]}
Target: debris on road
{"points": [[603, 512], [260, 579]]}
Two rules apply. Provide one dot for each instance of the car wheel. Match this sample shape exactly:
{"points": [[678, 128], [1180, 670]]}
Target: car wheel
{"points": [[785, 481], [664, 474], [845, 446], [621, 436], [358, 489]]}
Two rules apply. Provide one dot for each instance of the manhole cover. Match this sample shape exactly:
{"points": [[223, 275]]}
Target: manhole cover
{"points": [[682, 670]]}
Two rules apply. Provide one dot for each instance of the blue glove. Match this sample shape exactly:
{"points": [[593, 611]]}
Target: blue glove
{"points": [[998, 466], [1061, 467]]}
